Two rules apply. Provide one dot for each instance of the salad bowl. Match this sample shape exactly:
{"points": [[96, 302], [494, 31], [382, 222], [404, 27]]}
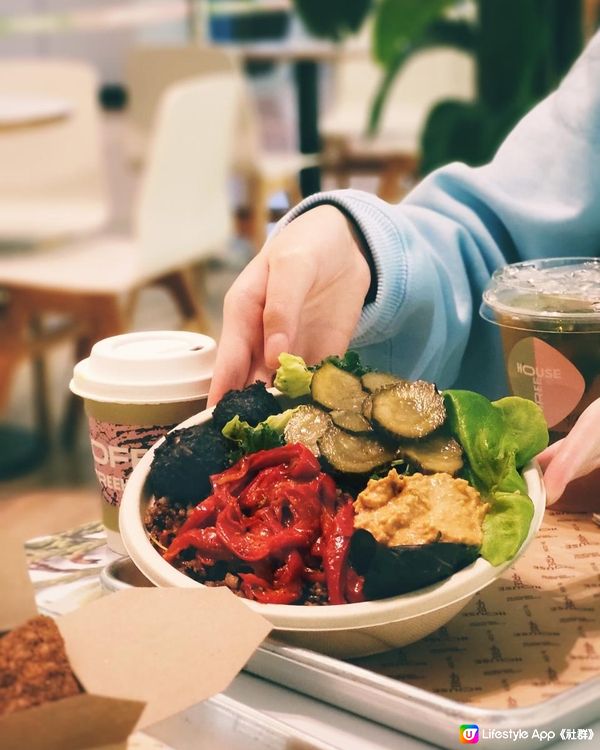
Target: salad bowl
{"points": [[344, 630]]}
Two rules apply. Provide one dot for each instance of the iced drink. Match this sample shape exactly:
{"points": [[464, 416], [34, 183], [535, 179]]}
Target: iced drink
{"points": [[548, 312], [136, 387]]}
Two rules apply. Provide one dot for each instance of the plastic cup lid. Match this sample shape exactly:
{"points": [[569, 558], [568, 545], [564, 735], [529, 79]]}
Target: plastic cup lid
{"points": [[148, 367], [566, 289]]}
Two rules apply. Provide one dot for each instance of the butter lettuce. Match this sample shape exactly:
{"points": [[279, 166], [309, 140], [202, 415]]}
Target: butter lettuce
{"points": [[525, 423], [293, 377], [506, 526], [498, 439]]}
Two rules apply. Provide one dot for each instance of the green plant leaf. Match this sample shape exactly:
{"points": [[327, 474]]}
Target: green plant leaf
{"points": [[333, 19], [459, 34], [400, 22]]}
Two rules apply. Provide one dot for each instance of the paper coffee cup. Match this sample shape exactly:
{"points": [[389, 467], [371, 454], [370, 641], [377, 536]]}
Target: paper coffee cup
{"points": [[136, 387], [548, 312]]}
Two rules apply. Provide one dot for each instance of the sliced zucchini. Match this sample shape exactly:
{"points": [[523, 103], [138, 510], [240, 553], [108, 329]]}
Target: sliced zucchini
{"points": [[353, 454], [367, 408], [307, 424], [373, 381], [433, 454], [351, 421], [409, 410], [337, 389]]}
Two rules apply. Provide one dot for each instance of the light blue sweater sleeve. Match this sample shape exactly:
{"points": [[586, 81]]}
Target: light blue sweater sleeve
{"points": [[435, 252]]}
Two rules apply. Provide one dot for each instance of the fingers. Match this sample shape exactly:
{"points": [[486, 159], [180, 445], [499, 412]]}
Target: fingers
{"points": [[241, 335], [549, 453], [577, 455], [290, 279]]}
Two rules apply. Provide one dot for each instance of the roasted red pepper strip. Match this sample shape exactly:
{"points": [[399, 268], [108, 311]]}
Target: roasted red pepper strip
{"points": [[278, 513], [335, 558], [206, 541], [203, 514]]}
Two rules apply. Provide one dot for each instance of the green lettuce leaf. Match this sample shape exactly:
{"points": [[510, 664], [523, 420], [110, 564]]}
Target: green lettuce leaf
{"points": [[525, 423], [266, 435], [498, 439], [505, 526], [293, 376]]}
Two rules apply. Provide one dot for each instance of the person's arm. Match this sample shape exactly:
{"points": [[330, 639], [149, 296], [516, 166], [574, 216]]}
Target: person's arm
{"points": [[432, 254], [435, 251]]}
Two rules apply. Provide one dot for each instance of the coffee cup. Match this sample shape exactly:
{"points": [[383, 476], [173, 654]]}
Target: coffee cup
{"points": [[548, 312], [136, 387]]}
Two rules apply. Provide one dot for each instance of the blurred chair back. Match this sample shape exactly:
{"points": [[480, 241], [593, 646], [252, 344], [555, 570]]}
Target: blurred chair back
{"points": [[150, 70], [183, 212], [427, 78], [52, 179]]}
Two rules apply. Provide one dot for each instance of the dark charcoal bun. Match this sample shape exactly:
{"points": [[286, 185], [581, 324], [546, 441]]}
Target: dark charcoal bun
{"points": [[183, 464], [253, 404]]}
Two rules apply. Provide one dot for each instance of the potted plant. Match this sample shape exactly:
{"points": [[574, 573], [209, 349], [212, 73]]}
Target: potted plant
{"points": [[522, 49]]}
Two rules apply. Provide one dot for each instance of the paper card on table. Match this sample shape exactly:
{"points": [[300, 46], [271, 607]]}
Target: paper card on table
{"points": [[170, 648], [84, 721], [16, 590]]}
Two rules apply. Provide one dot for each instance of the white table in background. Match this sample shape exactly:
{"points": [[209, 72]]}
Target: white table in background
{"points": [[29, 110]]}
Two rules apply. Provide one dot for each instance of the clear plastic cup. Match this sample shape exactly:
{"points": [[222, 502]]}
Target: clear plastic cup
{"points": [[548, 312], [136, 387]]}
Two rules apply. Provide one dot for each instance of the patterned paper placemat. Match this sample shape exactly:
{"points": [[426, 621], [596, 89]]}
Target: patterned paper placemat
{"points": [[532, 634], [527, 637]]}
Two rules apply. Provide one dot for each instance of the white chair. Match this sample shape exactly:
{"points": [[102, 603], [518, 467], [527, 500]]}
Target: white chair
{"points": [[182, 216], [427, 78], [52, 180], [150, 69]]}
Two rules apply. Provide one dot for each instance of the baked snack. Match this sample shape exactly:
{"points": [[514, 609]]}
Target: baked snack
{"points": [[34, 667]]}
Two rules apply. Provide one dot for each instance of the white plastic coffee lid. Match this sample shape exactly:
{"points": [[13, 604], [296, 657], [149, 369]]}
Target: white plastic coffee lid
{"points": [[147, 367]]}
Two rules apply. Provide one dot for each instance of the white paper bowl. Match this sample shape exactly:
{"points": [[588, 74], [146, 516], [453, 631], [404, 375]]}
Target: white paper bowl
{"points": [[341, 630]]}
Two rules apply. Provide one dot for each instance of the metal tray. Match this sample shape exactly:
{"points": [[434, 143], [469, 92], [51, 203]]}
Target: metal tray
{"points": [[418, 712], [401, 706], [221, 723]]}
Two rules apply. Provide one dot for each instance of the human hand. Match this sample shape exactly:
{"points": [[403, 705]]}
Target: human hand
{"points": [[574, 456], [303, 293]]}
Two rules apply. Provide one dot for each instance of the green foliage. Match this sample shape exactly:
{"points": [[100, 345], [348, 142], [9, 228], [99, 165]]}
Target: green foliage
{"points": [[399, 24], [522, 49], [350, 362]]}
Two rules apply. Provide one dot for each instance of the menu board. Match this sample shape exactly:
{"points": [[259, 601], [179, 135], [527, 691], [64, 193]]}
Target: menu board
{"points": [[527, 637]]}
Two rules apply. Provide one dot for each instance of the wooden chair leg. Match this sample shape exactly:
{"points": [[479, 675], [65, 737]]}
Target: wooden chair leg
{"points": [[41, 395], [13, 350], [106, 316], [389, 182], [73, 415], [180, 286], [293, 191], [258, 194]]}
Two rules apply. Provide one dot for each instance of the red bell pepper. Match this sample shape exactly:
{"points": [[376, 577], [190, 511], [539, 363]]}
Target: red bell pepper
{"points": [[277, 514]]}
